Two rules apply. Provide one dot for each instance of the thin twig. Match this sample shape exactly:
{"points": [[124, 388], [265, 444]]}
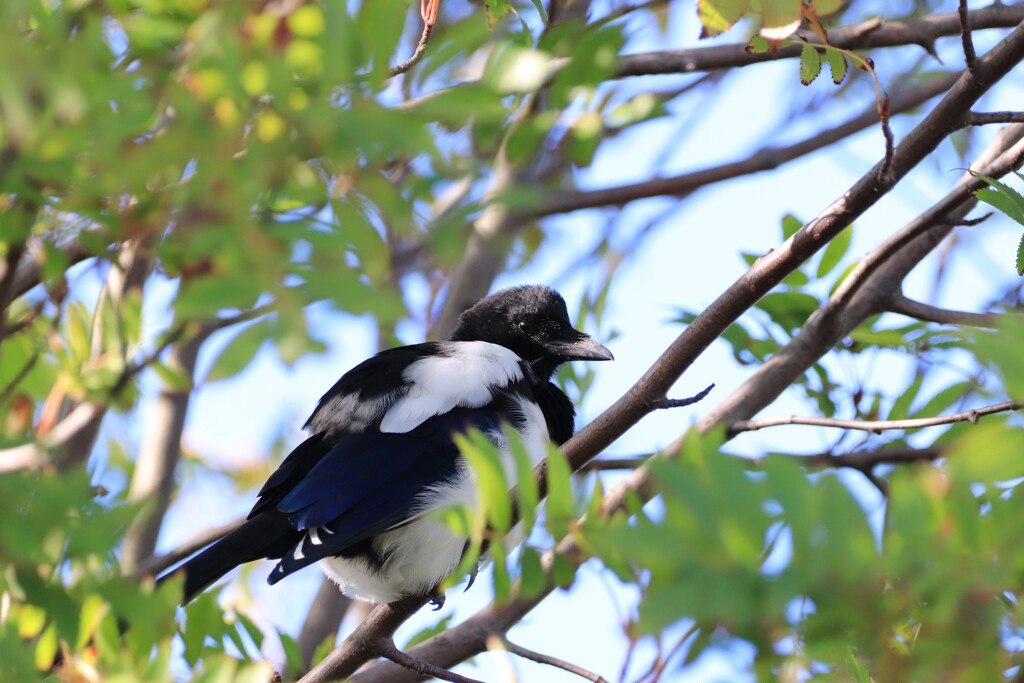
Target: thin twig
{"points": [[157, 564], [875, 425], [390, 651], [417, 55], [663, 403], [965, 36], [767, 158], [985, 118], [933, 314], [890, 139], [602, 464], [552, 661]]}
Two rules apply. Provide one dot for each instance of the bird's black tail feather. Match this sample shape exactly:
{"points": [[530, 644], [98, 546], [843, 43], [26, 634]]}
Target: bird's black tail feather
{"points": [[266, 535]]}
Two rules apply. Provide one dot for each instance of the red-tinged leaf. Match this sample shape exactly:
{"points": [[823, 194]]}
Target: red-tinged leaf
{"points": [[810, 64], [780, 18], [718, 16], [837, 63], [815, 23]]}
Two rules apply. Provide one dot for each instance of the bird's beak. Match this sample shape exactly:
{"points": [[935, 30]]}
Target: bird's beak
{"points": [[583, 348]]}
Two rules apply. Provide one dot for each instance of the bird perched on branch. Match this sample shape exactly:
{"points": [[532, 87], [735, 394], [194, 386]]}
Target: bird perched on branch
{"points": [[356, 496]]}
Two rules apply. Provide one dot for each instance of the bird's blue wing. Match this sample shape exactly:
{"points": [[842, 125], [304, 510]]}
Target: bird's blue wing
{"points": [[370, 483]]}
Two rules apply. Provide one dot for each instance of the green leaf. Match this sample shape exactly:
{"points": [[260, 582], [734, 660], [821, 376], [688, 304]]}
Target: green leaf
{"points": [[826, 7], [563, 571], [718, 16], [1020, 256], [485, 461], [758, 45], [292, 654], [1002, 197], [789, 310], [46, 648], [944, 399], [901, 406], [790, 225], [205, 296], [991, 452], [531, 572], [837, 64], [502, 580], [428, 632], [93, 609], [835, 251], [239, 352], [526, 481], [496, 9], [560, 510], [810, 64]]}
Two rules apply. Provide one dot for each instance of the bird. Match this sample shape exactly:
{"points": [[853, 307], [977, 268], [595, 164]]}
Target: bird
{"points": [[356, 496]]}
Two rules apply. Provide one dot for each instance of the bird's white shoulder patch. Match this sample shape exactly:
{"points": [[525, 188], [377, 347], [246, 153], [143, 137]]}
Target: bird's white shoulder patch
{"points": [[346, 413], [462, 375]]}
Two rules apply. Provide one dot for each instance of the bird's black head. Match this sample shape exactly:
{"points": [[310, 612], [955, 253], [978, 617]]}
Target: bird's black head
{"points": [[533, 322]]}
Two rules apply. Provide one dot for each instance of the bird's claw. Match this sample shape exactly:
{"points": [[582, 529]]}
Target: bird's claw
{"points": [[437, 599]]}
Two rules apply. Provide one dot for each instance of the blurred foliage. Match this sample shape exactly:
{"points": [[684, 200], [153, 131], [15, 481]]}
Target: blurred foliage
{"points": [[791, 564]]}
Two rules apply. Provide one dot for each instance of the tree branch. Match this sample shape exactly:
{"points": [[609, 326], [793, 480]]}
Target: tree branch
{"points": [[551, 661], [157, 564], [366, 643], [873, 33], [933, 314], [965, 35], [153, 477], [664, 403], [875, 426], [765, 159], [323, 620], [986, 118], [417, 55]]}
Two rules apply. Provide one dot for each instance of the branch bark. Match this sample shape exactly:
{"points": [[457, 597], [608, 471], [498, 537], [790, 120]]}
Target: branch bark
{"points": [[943, 316], [874, 33], [153, 478], [875, 426], [765, 159]]}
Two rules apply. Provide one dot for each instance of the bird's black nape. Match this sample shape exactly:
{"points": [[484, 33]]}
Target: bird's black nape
{"points": [[532, 321]]}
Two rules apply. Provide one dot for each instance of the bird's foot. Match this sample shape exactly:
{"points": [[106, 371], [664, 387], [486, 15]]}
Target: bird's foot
{"points": [[436, 598]]}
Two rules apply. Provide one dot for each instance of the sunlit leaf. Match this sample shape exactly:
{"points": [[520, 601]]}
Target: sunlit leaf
{"points": [[834, 252], [779, 18], [718, 16], [560, 509]]}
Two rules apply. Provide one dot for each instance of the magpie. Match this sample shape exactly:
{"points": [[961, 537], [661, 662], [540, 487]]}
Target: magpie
{"points": [[357, 495]]}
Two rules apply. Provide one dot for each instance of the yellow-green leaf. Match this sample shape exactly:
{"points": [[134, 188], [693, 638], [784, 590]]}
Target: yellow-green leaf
{"points": [[718, 16], [780, 18]]}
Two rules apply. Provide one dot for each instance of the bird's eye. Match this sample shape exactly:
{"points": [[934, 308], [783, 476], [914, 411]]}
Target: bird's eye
{"points": [[526, 326]]}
